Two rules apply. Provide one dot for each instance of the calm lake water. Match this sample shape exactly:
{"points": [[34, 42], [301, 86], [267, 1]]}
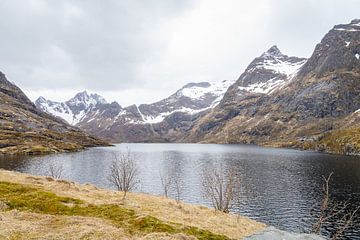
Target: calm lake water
{"points": [[280, 186]]}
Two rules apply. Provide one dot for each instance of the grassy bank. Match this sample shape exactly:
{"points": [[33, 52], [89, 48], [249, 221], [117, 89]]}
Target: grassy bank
{"points": [[61, 209]]}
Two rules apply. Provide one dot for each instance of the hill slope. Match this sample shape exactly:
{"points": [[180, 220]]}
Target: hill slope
{"points": [[33, 207], [24, 129]]}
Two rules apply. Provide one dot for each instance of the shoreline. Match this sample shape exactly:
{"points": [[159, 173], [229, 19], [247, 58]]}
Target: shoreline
{"points": [[178, 216]]}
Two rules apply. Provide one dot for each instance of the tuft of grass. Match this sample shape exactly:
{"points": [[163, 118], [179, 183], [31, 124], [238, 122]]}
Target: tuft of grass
{"points": [[24, 198]]}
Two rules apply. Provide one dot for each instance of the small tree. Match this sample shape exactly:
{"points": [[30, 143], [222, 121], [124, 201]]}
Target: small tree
{"points": [[178, 189], [124, 173], [55, 170], [219, 188], [330, 211], [166, 183]]}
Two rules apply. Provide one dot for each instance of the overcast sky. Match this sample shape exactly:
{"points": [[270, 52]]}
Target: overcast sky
{"points": [[139, 51]]}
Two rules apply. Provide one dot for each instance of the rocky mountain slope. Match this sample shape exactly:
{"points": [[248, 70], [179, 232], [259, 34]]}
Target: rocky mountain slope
{"points": [[309, 108], [24, 129], [161, 121]]}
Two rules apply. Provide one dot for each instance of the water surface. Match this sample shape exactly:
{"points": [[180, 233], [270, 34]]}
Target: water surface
{"points": [[279, 186]]}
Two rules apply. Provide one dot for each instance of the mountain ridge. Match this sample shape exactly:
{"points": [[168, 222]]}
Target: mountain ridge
{"points": [[117, 123]]}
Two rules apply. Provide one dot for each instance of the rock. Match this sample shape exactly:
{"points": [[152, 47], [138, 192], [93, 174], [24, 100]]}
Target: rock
{"points": [[272, 233]]}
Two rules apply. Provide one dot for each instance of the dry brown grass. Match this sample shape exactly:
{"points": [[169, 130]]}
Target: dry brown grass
{"points": [[160, 207], [25, 225]]}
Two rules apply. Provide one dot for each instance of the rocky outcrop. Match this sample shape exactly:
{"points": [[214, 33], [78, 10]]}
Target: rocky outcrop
{"points": [[24, 129]]}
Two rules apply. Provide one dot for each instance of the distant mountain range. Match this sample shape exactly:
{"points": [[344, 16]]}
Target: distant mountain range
{"points": [[143, 123], [278, 101]]}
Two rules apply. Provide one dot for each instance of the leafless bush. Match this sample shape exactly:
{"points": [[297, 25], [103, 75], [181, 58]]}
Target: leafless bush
{"points": [[178, 189], [124, 172], [219, 187], [166, 183], [55, 170], [331, 211]]}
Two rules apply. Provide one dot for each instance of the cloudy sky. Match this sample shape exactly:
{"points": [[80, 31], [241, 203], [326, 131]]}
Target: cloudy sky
{"points": [[139, 51]]}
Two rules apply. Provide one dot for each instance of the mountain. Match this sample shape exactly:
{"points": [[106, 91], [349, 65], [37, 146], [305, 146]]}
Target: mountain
{"points": [[306, 107], [74, 110], [279, 100], [24, 129], [162, 121]]}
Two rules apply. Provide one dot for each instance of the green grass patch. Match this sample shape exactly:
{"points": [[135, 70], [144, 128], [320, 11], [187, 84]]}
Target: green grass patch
{"points": [[24, 198]]}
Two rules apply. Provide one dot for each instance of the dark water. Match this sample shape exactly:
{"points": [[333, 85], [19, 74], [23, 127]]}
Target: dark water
{"points": [[281, 185]]}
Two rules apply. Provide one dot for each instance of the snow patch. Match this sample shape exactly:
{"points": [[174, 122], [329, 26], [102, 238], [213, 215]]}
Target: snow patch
{"points": [[347, 29], [279, 66], [217, 89], [264, 87], [357, 56], [347, 43], [197, 92], [163, 115]]}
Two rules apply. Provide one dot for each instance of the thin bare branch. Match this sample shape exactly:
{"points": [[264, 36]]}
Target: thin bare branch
{"points": [[55, 170]]}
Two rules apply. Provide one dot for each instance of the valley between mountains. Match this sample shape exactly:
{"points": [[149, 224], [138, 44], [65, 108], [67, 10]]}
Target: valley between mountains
{"points": [[279, 100]]}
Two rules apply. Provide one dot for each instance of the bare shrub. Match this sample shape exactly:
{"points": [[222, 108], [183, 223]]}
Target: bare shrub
{"points": [[124, 172], [329, 211], [166, 183], [178, 187], [219, 188], [55, 170]]}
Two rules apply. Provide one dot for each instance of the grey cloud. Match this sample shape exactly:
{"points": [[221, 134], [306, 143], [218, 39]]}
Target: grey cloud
{"points": [[88, 44], [133, 47]]}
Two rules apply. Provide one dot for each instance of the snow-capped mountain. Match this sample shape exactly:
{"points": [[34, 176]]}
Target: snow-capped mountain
{"points": [[74, 110], [267, 73], [95, 115], [190, 99], [288, 101], [270, 71]]}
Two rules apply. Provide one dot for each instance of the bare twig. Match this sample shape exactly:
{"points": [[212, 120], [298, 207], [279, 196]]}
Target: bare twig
{"points": [[346, 222], [178, 189], [166, 183], [330, 211]]}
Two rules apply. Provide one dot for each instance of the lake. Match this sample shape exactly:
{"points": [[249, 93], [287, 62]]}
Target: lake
{"points": [[279, 186]]}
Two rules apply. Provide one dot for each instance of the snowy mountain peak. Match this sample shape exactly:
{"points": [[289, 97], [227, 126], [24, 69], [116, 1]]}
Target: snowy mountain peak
{"points": [[273, 51], [86, 100], [98, 98], [73, 110], [271, 71], [41, 99]]}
